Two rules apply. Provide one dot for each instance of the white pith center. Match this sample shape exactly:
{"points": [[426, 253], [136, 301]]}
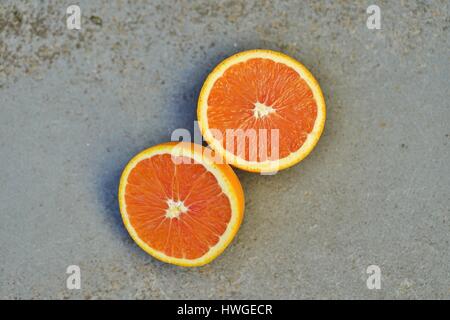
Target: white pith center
{"points": [[261, 110], [175, 208]]}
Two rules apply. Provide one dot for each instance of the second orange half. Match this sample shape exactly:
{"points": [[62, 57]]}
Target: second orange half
{"points": [[261, 110]]}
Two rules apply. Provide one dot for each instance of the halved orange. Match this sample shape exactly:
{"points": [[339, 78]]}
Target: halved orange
{"points": [[180, 205], [261, 110]]}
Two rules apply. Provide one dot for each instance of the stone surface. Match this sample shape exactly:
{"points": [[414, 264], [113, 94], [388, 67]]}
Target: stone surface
{"points": [[75, 106]]}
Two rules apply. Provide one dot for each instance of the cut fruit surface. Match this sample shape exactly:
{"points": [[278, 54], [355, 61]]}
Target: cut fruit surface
{"points": [[261, 110], [180, 205]]}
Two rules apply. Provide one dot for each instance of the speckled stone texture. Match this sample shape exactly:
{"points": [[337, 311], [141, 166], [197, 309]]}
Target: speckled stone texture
{"points": [[75, 106]]}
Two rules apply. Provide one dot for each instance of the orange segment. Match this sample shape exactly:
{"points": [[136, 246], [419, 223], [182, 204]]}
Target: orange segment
{"points": [[266, 93], [179, 205]]}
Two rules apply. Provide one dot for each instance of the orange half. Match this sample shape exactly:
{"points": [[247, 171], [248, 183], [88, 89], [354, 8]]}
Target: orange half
{"points": [[180, 205], [261, 110]]}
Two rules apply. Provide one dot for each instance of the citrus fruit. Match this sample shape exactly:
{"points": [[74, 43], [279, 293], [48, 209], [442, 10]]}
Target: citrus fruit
{"points": [[261, 110], [179, 205]]}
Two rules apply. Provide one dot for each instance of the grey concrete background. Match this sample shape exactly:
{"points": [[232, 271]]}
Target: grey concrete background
{"points": [[75, 106]]}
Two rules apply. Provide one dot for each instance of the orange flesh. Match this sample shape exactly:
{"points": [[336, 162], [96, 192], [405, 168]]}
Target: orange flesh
{"points": [[155, 181], [232, 101]]}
